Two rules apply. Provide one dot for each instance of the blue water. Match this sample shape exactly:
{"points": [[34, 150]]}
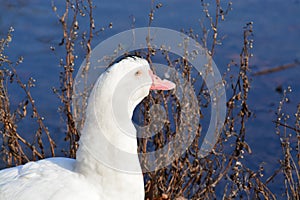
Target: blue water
{"points": [[276, 35]]}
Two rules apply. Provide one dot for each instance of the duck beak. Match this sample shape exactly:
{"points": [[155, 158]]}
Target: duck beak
{"points": [[158, 84]]}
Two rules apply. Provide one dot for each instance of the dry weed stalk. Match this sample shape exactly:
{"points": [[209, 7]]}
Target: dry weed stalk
{"points": [[289, 136], [15, 148], [192, 176], [70, 26]]}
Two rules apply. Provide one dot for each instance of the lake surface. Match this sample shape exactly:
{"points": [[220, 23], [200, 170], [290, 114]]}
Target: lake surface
{"points": [[276, 42]]}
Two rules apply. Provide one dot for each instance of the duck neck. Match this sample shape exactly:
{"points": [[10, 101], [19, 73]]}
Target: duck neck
{"points": [[107, 154]]}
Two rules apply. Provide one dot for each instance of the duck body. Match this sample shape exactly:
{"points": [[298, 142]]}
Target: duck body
{"points": [[52, 178], [107, 165]]}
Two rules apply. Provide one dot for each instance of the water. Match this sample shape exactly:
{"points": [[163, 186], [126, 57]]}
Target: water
{"points": [[276, 35]]}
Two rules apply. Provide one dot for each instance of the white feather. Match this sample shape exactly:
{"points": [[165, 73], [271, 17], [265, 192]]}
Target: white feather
{"points": [[98, 171]]}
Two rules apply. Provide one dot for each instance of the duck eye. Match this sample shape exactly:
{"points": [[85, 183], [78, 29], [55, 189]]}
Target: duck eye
{"points": [[138, 73]]}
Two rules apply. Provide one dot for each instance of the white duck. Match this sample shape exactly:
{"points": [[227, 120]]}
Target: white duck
{"points": [[91, 176]]}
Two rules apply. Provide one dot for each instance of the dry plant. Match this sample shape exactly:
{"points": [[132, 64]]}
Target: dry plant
{"points": [[222, 173], [192, 176], [70, 26], [288, 132], [15, 149]]}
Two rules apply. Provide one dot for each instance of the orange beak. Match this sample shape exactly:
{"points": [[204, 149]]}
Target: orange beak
{"points": [[158, 84]]}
